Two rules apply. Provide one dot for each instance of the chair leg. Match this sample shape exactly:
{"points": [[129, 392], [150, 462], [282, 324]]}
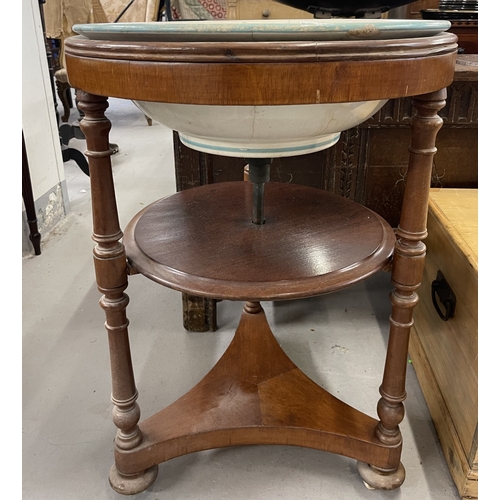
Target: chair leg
{"points": [[62, 92]]}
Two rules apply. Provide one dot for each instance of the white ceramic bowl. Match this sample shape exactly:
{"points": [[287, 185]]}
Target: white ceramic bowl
{"points": [[260, 131]]}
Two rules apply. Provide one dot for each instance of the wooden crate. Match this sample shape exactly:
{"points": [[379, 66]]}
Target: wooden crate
{"points": [[445, 353]]}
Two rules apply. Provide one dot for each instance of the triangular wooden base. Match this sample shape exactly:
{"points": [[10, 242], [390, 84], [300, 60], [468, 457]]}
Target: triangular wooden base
{"points": [[256, 395]]}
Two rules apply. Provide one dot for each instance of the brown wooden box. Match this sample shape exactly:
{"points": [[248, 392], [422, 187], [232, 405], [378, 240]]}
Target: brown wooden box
{"points": [[445, 353]]}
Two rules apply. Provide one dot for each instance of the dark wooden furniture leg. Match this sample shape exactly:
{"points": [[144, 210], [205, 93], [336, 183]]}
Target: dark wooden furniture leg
{"points": [[199, 314], [407, 271], [29, 203], [63, 90], [111, 276]]}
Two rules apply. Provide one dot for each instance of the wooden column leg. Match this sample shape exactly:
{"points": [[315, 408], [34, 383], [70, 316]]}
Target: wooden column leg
{"points": [[407, 271], [111, 276]]}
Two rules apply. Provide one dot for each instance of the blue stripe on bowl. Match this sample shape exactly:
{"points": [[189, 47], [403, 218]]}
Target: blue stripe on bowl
{"points": [[230, 149]]}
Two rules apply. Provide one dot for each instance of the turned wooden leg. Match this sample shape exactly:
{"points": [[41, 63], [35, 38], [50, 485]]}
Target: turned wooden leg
{"points": [[407, 271], [111, 276]]}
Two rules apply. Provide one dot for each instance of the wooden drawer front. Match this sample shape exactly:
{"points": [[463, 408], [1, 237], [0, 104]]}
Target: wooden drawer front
{"points": [[267, 9]]}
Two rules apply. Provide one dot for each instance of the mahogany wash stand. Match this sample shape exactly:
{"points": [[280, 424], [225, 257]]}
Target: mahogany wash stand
{"points": [[313, 242]]}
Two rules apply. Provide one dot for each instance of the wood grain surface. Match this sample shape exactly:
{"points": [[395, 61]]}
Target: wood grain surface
{"points": [[203, 241], [260, 73]]}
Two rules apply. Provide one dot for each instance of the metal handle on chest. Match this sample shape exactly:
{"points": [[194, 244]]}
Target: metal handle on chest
{"points": [[442, 290]]}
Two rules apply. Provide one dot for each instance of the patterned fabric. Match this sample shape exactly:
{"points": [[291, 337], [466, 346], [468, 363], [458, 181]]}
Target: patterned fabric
{"points": [[61, 15], [198, 9]]}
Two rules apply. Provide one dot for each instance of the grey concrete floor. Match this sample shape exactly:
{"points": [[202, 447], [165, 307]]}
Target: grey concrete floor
{"points": [[338, 340]]}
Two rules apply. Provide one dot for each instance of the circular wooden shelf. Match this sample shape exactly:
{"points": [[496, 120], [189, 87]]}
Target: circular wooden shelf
{"points": [[202, 241]]}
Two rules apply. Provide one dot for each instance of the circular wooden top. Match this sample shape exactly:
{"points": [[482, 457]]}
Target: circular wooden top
{"points": [[202, 241], [261, 73]]}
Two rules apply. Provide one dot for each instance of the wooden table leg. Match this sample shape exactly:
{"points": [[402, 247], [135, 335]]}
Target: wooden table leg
{"points": [[407, 271], [111, 276], [199, 314]]}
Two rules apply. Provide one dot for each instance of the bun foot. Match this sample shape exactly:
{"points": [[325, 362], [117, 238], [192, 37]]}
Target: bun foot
{"points": [[367, 486], [376, 479], [131, 485]]}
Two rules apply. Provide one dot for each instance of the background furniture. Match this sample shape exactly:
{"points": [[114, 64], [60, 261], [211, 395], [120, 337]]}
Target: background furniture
{"points": [[60, 16], [444, 350], [466, 29], [263, 9]]}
